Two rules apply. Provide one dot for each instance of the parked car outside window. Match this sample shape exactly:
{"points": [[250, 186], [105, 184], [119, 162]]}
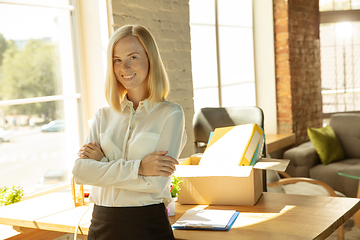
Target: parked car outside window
{"points": [[5, 135], [54, 126]]}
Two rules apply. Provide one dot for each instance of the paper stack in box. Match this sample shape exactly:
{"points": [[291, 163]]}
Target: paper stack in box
{"points": [[234, 146], [230, 170]]}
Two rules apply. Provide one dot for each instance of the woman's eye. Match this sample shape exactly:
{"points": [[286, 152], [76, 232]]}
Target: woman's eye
{"points": [[133, 57], [117, 60]]}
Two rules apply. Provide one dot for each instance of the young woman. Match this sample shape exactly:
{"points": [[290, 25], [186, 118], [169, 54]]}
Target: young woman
{"points": [[133, 145]]}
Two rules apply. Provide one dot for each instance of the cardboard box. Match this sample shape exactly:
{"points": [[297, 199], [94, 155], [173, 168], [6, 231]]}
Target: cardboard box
{"points": [[240, 185]]}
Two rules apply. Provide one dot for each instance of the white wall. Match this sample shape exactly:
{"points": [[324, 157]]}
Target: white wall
{"points": [[264, 56]]}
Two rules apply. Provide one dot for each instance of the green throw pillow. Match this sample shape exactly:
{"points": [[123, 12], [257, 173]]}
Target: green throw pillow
{"points": [[326, 144]]}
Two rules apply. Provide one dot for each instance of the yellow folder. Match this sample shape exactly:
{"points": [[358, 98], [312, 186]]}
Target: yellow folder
{"points": [[232, 146]]}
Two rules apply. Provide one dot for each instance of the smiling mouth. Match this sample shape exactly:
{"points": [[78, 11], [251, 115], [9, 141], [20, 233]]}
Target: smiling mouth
{"points": [[129, 76]]}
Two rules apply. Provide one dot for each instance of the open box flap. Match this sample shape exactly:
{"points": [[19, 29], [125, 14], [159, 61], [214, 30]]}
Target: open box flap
{"points": [[200, 171], [272, 164]]}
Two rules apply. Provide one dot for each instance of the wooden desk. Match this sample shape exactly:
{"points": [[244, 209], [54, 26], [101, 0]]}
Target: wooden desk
{"points": [[52, 212], [275, 216], [281, 216], [276, 142]]}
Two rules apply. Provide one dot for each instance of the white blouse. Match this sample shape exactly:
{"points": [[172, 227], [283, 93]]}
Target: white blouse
{"points": [[126, 138]]}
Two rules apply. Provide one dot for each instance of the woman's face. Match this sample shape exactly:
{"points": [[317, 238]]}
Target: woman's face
{"points": [[131, 64]]}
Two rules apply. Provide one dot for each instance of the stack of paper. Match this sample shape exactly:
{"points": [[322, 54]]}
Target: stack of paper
{"points": [[206, 219], [234, 146]]}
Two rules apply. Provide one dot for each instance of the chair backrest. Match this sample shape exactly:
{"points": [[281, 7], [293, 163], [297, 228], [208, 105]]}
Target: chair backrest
{"points": [[207, 119], [347, 129]]}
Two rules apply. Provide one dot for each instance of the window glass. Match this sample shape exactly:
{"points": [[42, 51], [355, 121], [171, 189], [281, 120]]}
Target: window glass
{"points": [[235, 13], [356, 33], [327, 32], [203, 56], [342, 5], [33, 146], [340, 64], [211, 99], [338, 5], [355, 4], [38, 96], [326, 5], [236, 55], [202, 12], [329, 73], [241, 94], [232, 51], [31, 66]]}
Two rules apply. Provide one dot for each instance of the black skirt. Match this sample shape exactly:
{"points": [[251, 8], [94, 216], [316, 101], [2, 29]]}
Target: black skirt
{"points": [[130, 223]]}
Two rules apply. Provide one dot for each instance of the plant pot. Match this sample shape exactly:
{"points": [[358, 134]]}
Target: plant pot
{"points": [[171, 208]]}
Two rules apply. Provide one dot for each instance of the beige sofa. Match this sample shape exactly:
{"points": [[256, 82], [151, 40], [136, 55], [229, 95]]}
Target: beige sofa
{"points": [[305, 162]]}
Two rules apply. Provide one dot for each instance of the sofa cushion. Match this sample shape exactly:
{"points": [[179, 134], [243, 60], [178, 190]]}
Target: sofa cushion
{"points": [[326, 144], [347, 129], [306, 188], [329, 175], [302, 157]]}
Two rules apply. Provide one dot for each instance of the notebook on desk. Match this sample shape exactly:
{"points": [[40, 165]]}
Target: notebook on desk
{"points": [[208, 219]]}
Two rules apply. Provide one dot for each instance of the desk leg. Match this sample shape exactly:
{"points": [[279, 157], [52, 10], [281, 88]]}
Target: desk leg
{"points": [[340, 233], [357, 214], [22, 229]]}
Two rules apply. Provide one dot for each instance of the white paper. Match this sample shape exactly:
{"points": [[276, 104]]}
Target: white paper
{"points": [[229, 149]]}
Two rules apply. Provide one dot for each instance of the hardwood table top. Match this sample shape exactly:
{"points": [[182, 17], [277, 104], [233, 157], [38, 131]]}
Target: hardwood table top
{"points": [[276, 142], [275, 216], [280, 216]]}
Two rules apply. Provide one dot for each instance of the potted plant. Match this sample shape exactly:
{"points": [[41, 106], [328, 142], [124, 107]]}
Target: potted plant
{"points": [[174, 191], [10, 195]]}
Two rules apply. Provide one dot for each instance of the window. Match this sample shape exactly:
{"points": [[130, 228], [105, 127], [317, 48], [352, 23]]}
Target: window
{"points": [[39, 96], [340, 55], [222, 53]]}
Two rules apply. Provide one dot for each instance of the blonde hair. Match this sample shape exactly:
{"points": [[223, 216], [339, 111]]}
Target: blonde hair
{"points": [[157, 80]]}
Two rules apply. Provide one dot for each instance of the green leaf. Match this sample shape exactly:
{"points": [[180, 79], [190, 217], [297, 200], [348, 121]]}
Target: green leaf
{"points": [[175, 181], [10, 195]]}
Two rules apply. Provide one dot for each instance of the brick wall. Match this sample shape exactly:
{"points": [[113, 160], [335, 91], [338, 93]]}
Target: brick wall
{"points": [[168, 21], [297, 60]]}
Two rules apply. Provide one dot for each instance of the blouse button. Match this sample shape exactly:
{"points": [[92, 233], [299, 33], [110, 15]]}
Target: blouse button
{"points": [[148, 184]]}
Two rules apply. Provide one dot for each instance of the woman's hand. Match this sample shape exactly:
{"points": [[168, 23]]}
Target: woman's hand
{"points": [[91, 151], [157, 164]]}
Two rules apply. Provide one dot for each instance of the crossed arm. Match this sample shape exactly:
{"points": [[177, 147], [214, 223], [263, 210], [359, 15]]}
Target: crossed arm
{"points": [[154, 164]]}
